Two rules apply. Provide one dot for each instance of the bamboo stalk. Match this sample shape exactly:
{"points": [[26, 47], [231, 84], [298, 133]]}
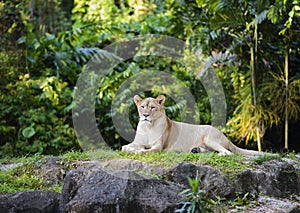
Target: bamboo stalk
{"points": [[258, 139], [286, 125]]}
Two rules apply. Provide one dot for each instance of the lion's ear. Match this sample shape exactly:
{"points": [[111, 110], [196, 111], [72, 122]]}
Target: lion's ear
{"points": [[161, 99], [137, 99]]}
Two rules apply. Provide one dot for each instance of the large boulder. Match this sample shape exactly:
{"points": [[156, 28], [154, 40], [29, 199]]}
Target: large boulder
{"points": [[31, 202], [99, 190], [211, 180], [273, 178]]}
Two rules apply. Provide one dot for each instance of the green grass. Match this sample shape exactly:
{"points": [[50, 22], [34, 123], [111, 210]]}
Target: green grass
{"points": [[232, 163], [23, 178], [24, 159], [263, 158]]}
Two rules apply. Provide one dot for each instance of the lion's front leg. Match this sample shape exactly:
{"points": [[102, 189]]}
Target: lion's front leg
{"points": [[156, 146], [132, 148], [139, 143], [153, 149]]}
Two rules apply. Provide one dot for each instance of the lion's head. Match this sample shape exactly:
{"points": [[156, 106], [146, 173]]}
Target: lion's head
{"points": [[150, 109]]}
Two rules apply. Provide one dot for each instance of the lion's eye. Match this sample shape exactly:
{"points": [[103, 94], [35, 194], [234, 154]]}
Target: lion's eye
{"points": [[152, 108], [142, 107]]}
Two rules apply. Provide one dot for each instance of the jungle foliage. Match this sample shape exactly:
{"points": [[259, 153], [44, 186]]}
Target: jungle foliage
{"points": [[253, 46]]}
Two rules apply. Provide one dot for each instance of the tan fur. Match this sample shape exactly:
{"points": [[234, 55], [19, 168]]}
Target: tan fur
{"points": [[156, 132]]}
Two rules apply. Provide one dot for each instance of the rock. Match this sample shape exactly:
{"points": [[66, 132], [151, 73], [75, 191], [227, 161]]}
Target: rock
{"points": [[285, 178], [91, 188], [132, 165], [73, 181], [211, 179], [8, 166], [296, 209], [51, 169], [274, 178], [31, 202], [270, 205], [247, 182], [98, 190], [277, 178]]}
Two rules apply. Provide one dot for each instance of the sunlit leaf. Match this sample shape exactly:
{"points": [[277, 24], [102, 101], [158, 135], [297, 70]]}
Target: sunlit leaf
{"points": [[28, 132]]}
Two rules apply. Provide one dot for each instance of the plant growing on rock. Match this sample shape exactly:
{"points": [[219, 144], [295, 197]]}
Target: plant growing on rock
{"points": [[195, 201], [243, 200]]}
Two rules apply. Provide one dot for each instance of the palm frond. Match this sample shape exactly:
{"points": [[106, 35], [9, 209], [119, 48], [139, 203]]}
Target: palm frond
{"points": [[247, 118], [218, 60], [276, 89], [261, 17]]}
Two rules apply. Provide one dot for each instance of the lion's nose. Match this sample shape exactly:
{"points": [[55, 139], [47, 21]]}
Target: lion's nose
{"points": [[145, 115]]}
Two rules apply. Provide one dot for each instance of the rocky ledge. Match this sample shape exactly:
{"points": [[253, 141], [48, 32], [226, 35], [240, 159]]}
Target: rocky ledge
{"points": [[124, 185]]}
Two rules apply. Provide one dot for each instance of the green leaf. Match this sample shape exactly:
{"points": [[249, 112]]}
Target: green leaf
{"points": [[28, 132], [21, 40], [31, 59]]}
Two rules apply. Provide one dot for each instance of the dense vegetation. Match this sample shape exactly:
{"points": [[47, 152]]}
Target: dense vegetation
{"points": [[253, 46]]}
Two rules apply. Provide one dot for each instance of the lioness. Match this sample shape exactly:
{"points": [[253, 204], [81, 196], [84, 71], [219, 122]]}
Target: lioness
{"points": [[156, 132]]}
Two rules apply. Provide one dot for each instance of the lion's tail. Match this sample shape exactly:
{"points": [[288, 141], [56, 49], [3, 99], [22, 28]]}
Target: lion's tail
{"points": [[236, 149]]}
